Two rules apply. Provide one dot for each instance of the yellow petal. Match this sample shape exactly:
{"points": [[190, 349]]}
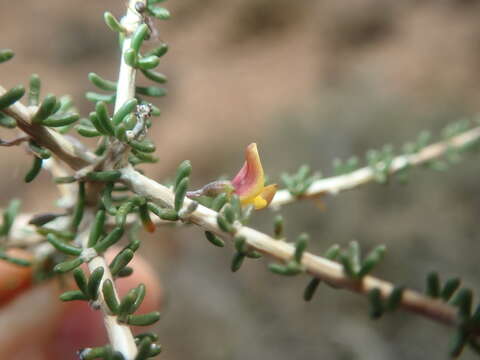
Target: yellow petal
{"points": [[266, 196]]}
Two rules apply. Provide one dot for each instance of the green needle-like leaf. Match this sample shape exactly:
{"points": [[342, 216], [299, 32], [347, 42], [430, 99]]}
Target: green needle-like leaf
{"points": [[120, 261], [180, 192], [138, 37], [9, 216], [164, 214], [62, 246], [11, 96], [155, 76], [104, 117], [300, 246], [113, 23], [311, 288], [67, 266], [124, 110], [81, 280], [34, 170], [451, 285], [58, 120], [109, 296], [94, 283], [114, 236], [101, 83], [107, 175], [5, 55], [34, 90], [97, 228], [144, 319], [376, 306], [46, 108], [214, 239], [73, 295], [433, 285], [79, 207]]}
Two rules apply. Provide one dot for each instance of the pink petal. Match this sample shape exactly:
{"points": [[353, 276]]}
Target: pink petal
{"points": [[249, 181]]}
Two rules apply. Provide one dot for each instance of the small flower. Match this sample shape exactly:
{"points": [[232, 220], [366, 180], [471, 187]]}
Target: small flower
{"points": [[249, 183]]}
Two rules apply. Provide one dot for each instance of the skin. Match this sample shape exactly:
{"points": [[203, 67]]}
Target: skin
{"points": [[35, 324]]}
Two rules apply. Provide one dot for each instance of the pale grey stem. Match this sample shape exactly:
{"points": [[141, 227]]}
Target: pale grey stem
{"points": [[334, 185], [317, 266]]}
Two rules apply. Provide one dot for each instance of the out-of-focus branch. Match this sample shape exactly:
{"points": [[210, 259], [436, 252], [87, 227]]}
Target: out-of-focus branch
{"points": [[319, 267], [66, 148], [119, 335], [336, 184]]}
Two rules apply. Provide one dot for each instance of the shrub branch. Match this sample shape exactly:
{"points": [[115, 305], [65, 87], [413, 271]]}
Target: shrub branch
{"points": [[322, 268], [336, 184]]}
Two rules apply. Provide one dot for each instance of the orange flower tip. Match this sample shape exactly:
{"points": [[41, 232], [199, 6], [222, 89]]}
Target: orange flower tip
{"points": [[265, 198], [149, 226]]}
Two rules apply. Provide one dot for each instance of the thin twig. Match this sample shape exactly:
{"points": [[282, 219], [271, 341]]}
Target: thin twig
{"points": [[17, 141], [119, 335], [317, 266], [334, 185], [68, 191], [68, 149]]}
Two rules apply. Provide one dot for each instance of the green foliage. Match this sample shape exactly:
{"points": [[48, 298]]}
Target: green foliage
{"points": [[180, 192], [214, 239], [7, 121], [62, 246], [96, 231], [299, 182], [94, 283], [163, 213], [39, 151], [143, 319], [5, 55], [116, 129], [68, 265], [278, 227], [331, 254], [107, 175], [47, 107], [14, 260], [79, 207], [9, 215], [34, 170], [243, 251], [113, 23], [121, 261], [11, 96], [341, 168], [380, 163], [113, 237], [294, 266], [34, 90], [378, 307], [142, 146], [231, 212], [356, 268], [106, 199], [103, 118]]}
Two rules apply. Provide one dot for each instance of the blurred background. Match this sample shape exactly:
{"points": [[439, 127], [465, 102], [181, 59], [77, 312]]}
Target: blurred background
{"points": [[308, 81]]}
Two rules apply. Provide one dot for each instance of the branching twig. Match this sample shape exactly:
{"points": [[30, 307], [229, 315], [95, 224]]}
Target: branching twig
{"points": [[336, 184], [68, 149], [119, 335], [320, 267]]}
